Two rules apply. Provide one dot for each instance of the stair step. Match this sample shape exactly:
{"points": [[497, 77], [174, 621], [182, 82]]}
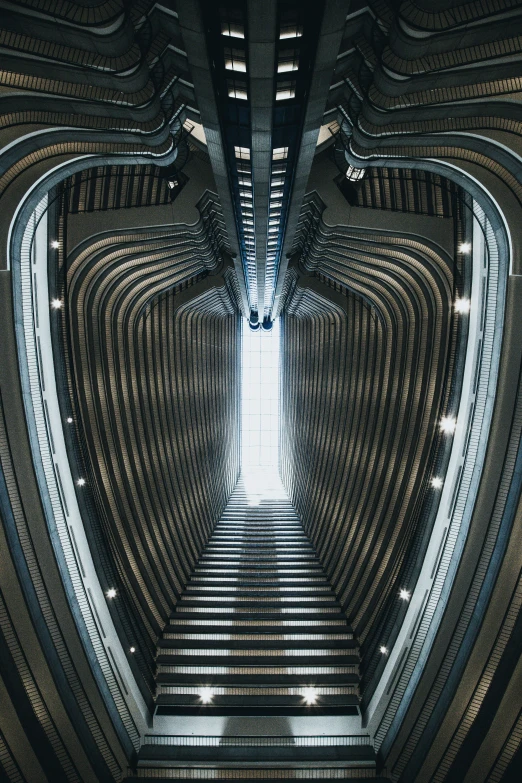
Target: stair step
{"points": [[257, 627], [345, 675], [150, 753], [260, 643], [258, 673]]}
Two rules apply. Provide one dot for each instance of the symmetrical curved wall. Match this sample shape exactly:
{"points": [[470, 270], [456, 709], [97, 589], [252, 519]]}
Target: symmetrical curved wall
{"points": [[434, 87], [153, 383], [425, 96], [89, 86], [366, 380]]}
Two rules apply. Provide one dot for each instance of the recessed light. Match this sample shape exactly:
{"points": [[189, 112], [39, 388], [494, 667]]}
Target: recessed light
{"points": [[404, 595], [310, 695], [383, 649], [55, 244], [465, 247], [206, 695], [81, 482], [132, 649], [462, 306], [56, 304], [448, 424], [69, 420], [436, 483], [111, 593]]}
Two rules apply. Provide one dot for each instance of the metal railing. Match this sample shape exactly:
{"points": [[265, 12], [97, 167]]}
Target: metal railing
{"points": [[251, 741]]}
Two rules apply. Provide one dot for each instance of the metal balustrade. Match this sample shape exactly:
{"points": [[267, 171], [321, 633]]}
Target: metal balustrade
{"points": [[254, 741]]}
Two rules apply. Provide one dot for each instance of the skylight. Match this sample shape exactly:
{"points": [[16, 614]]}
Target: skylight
{"points": [[260, 398]]}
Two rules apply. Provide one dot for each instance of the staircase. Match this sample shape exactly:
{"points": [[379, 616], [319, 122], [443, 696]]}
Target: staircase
{"points": [[257, 671]]}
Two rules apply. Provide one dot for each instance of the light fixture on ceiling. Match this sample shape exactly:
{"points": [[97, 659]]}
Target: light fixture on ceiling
{"points": [[81, 482], [464, 247], [55, 244], [448, 424], [310, 695], [56, 304], [383, 650], [132, 649], [354, 174], [462, 306], [206, 695], [111, 593], [233, 29], [436, 482], [279, 153], [69, 420], [290, 30], [172, 183], [404, 595]]}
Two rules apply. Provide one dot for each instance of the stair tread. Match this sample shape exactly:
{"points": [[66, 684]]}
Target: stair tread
{"points": [[258, 624]]}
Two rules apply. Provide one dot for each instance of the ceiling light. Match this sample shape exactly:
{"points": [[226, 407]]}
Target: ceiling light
{"points": [[235, 64], [55, 244], [172, 183], [69, 420], [287, 66], [462, 306], [404, 595], [206, 695], [448, 424], [132, 649], [310, 695], [464, 247], [81, 482], [354, 174], [233, 29], [242, 153], [56, 304], [436, 482], [290, 31], [279, 153], [238, 92], [383, 650], [111, 593]]}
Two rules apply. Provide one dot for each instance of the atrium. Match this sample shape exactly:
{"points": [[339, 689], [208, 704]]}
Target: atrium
{"points": [[260, 391]]}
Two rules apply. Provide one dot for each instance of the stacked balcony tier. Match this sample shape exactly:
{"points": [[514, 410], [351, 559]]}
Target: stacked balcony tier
{"points": [[258, 629]]}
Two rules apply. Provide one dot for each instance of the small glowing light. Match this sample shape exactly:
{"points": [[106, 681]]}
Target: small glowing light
{"points": [[383, 650], [354, 174], [132, 649], [436, 483], [465, 247], [404, 595], [448, 424], [111, 593], [56, 304], [81, 482], [206, 695], [285, 93], [462, 306], [238, 92], [310, 695], [172, 183], [69, 420], [55, 244]]}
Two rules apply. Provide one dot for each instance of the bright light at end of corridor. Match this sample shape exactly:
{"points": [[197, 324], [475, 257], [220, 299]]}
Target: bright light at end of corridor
{"points": [[260, 404]]}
